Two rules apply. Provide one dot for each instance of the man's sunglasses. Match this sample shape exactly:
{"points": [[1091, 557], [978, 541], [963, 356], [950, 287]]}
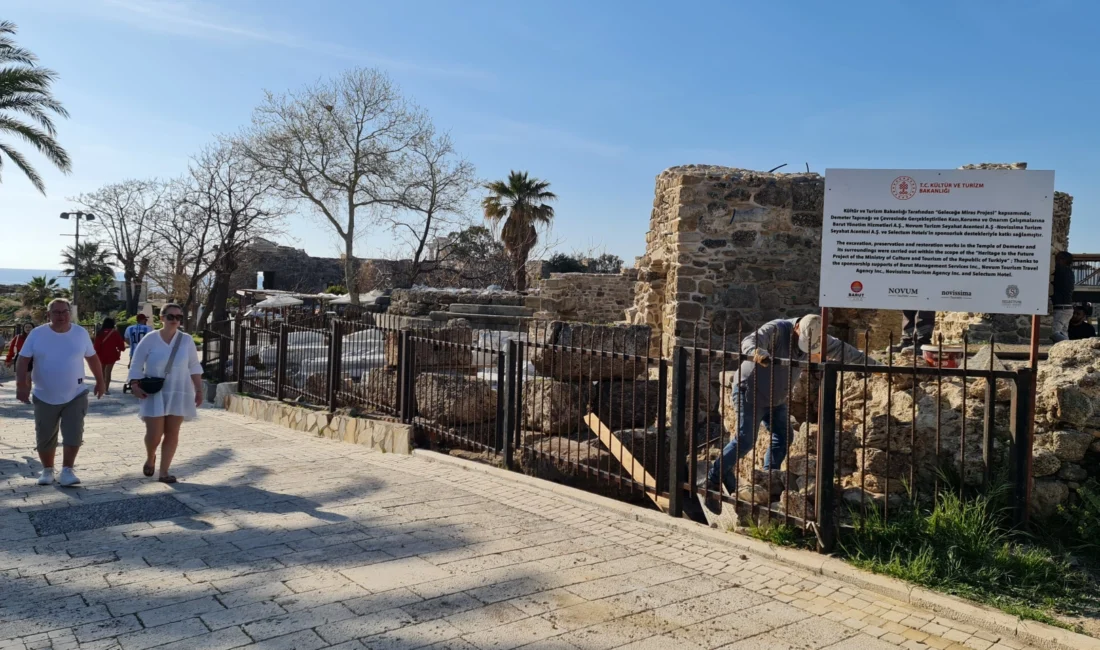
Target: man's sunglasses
{"points": [[172, 317]]}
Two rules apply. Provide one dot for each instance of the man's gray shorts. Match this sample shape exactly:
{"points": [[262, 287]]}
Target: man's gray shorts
{"points": [[67, 417]]}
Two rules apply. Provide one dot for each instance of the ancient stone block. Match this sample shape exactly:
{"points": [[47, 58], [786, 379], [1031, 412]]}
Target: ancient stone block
{"points": [[553, 407], [626, 403], [1046, 496], [434, 349], [570, 356], [1044, 462], [454, 399]]}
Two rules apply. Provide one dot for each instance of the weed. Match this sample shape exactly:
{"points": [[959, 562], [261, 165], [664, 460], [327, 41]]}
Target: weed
{"points": [[962, 546], [781, 535]]}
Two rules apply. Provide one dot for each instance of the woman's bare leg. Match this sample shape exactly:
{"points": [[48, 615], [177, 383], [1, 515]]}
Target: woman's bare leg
{"points": [[154, 431], [172, 425], [107, 375]]}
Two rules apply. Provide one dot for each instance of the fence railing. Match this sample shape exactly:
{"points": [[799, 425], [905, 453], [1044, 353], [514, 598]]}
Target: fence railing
{"points": [[1086, 272], [753, 425], [217, 352]]}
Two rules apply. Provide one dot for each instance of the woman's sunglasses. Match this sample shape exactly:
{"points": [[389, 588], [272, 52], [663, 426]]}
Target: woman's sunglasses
{"points": [[172, 317]]}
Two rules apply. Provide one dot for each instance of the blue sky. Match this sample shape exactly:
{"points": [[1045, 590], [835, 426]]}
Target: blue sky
{"points": [[597, 97]]}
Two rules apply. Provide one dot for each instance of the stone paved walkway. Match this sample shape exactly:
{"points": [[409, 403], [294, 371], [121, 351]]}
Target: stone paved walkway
{"points": [[307, 543]]}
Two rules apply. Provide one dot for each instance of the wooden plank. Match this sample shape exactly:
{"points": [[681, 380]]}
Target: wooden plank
{"points": [[626, 459]]}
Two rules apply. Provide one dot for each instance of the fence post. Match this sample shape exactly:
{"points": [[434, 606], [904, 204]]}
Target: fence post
{"points": [[280, 362], [205, 348], [662, 418], [987, 429], [511, 408], [335, 358], [826, 462], [238, 354], [406, 377], [676, 441], [1021, 444]]}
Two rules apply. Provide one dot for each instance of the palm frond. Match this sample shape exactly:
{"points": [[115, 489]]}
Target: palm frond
{"points": [[9, 51], [43, 142], [25, 166], [34, 107]]}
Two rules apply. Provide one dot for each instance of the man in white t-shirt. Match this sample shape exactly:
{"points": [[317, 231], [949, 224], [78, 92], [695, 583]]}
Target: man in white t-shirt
{"points": [[59, 350]]}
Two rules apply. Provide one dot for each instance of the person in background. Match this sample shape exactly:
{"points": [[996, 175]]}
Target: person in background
{"points": [[761, 395], [1079, 326], [916, 329], [108, 347], [135, 333], [59, 350], [165, 410], [133, 336], [17, 343], [1063, 295]]}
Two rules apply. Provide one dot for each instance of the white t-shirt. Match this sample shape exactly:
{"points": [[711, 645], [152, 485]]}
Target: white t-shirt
{"points": [[58, 372]]}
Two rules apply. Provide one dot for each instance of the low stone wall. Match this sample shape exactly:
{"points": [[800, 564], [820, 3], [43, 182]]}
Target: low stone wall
{"points": [[587, 297], [421, 302], [390, 437]]}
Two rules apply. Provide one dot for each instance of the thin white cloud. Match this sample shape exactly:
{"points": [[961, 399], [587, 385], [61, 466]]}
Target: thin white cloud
{"points": [[514, 132], [196, 21]]}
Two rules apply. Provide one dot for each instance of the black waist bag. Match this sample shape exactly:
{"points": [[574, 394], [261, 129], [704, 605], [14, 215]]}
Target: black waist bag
{"points": [[151, 385]]}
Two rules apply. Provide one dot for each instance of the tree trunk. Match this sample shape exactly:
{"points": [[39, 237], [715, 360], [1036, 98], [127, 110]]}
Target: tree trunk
{"points": [[350, 271], [520, 264], [128, 289]]}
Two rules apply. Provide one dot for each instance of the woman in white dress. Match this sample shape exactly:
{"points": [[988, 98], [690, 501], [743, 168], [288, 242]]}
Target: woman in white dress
{"points": [[165, 410]]}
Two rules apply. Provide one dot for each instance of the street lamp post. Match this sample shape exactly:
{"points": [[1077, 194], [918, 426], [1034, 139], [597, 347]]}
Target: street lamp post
{"points": [[78, 216]]}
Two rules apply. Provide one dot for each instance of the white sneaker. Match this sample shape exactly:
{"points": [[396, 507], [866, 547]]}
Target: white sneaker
{"points": [[68, 477], [46, 476]]}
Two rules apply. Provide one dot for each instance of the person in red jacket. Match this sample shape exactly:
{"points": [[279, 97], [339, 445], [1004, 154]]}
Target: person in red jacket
{"points": [[108, 347], [17, 343]]}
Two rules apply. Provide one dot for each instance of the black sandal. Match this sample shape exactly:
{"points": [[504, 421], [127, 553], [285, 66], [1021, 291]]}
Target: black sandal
{"points": [[167, 479], [147, 469]]}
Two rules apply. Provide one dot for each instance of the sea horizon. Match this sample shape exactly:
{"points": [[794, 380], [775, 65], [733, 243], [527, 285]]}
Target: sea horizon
{"points": [[23, 276]]}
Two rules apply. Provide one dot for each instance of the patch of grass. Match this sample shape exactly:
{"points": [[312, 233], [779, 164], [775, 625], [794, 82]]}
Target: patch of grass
{"points": [[962, 546], [781, 535]]}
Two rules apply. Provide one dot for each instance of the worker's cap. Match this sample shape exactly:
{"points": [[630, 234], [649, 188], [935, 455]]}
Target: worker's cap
{"points": [[809, 334], [142, 317]]}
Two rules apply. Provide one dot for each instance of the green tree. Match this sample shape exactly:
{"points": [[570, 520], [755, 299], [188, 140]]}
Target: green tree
{"points": [[37, 293], [94, 259], [562, 263], [521, 203], [96, 293], [606, 263], [26, 105]]}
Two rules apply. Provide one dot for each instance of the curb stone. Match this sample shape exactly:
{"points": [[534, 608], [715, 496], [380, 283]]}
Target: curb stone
{"points": [[950, 607]]}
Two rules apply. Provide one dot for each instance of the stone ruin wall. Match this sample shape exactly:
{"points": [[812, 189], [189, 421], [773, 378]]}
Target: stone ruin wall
{"points": [[731, 247], [585, 297], [727, 248]]}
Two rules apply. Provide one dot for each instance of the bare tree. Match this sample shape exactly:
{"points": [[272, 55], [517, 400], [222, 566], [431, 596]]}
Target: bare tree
{"points": [[435, 193], [233, 200], [125, 213], [340, 147], [183, 242]]}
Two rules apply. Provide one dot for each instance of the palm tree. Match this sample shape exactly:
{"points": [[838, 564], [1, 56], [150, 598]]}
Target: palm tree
{"points": [[37, 293], [97, 293], [521, 203], [25, 91], [94, 260]]}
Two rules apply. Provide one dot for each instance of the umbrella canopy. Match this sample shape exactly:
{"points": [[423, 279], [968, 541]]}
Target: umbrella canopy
{"points": [[277, 301], [364, 298]]}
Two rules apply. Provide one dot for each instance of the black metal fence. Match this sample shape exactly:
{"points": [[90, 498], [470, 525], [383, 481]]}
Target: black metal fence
{"points": [[757, 426]]}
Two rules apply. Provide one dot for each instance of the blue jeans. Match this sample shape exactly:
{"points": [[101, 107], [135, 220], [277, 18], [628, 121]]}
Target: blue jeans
{"points": [[748, 421]]}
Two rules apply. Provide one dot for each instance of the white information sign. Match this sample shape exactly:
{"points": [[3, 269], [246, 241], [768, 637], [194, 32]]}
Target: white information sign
{"points": [[937, 240]]}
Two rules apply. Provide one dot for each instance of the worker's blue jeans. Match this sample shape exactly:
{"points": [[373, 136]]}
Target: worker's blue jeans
{"points": [[749, 417]]}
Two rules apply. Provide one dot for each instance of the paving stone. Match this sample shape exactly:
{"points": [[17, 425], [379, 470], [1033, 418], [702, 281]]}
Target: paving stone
{"points": [[387, 551]]}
